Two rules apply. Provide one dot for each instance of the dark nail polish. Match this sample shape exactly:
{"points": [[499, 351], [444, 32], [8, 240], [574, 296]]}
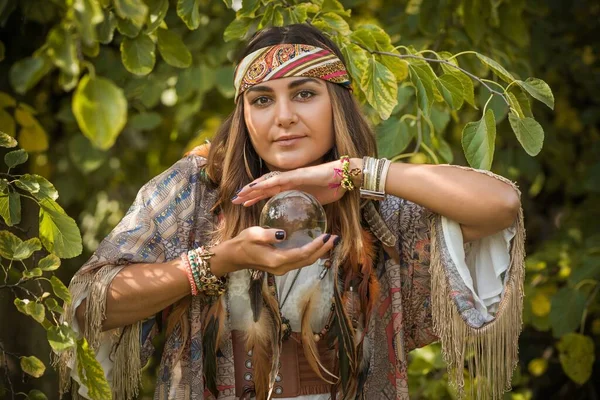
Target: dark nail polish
{"points": [[326, 237], [337, 241], [252, 184], [239, 190], [234, 197], [279, 235]]}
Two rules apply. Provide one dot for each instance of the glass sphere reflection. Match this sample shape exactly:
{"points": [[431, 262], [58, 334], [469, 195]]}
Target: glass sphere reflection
{"points": [[298, 213]]}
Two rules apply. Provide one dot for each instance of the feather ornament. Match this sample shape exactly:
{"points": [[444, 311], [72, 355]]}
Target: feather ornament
{"points": [[311, 350], [263, 337]]}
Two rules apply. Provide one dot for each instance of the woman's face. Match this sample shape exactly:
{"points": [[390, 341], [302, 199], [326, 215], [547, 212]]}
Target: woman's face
{"points": [[290, 121]]}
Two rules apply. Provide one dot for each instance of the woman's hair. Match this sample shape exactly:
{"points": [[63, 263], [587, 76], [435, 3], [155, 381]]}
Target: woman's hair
{"points": [[233, 162]]}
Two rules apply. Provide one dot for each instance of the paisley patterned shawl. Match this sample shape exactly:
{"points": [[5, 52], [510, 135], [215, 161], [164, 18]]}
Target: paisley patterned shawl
{"points": [[421, 299]]}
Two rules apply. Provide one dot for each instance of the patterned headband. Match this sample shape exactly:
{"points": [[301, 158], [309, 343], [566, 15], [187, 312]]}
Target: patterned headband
{"points": [[286, 60]]}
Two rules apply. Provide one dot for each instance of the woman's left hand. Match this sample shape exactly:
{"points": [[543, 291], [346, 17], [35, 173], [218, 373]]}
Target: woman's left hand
{"points": [[321, 181]]}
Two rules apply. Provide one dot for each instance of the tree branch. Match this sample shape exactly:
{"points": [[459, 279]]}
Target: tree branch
{"points": [[474, 77]]}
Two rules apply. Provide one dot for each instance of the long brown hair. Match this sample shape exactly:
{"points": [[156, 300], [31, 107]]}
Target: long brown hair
{"points": [[233, 163]]}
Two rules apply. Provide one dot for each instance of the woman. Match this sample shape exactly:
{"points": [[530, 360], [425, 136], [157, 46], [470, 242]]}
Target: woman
{"points": [[334, 318]]}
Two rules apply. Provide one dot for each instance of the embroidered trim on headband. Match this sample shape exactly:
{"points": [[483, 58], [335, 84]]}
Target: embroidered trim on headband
{"points": [[287, 60]]}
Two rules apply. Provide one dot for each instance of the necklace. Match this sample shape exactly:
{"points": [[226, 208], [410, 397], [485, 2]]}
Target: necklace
{"points": [[286, 327]]}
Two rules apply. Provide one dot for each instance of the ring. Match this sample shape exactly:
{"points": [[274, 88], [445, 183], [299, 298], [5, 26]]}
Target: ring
{"points": [[271, 174]]}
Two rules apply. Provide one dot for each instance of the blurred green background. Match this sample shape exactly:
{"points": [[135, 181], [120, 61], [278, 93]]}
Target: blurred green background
{"points": [[161, 73]]}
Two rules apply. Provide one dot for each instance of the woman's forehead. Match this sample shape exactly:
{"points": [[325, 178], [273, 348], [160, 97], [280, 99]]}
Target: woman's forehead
{"points": [[285, 83]]}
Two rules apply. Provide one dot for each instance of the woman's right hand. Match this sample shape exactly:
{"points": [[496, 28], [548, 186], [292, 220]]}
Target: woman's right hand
{"points": [[253, 249]]}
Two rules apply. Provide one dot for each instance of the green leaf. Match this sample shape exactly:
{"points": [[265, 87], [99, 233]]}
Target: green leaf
{"points": [[26, 73], [52, 305], [8, 244], [173, 50], [224, 81], [36, 311], [84, 155], [62, 51], [21, 305], [478, 141], [189, 12], [157, 11], [393, 137], [474, 23], [577, 356], [15, 158], [7, 141], [49, 263], [128, 28], [6, 100], [334, 6], [145, 121], [237, 29], [100, 109], [134, 10], [423, 79], [37, 185], [10, 208], [60, 290], [8, 126], [514, 103], [33, 366], [32, 273], [529, 133], [138, 54], [452, 90], [88, 14], [522, 100], [379, 85], [357, 60], [61, 338], [35, 394], [32, 136], [249, 8], [398, 66], [336, 23], [498, 69], [106, 29], [91, 373], [566, 310], [538, 89], [58, 232], [27, 248]]}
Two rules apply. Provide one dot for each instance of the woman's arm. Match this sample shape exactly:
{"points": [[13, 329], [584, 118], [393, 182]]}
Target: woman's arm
{"points": [[139, 290], [481, 204]]}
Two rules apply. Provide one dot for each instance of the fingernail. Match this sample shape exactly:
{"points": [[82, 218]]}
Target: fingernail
{"points": [[239, 190], [326, 237], [337, 241], [234, 197], [279, 235], [252, 184]]}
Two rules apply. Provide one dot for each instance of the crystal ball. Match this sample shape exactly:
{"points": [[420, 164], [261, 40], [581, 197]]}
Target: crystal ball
{"points": [[298, 213]]}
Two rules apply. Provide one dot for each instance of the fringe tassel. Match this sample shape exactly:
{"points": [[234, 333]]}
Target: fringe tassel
{"points": [[127, 369], [494, 346], [126, 380]]}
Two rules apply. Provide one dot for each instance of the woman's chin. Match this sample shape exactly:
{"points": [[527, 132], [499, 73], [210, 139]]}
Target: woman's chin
{"points": [[290, 162]]}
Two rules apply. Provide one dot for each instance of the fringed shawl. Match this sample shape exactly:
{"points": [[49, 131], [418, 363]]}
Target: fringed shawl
{"points": [[421, 299]]}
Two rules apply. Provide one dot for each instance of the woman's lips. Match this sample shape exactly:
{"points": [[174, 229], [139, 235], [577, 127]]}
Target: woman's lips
{"points": [[289, 142]]}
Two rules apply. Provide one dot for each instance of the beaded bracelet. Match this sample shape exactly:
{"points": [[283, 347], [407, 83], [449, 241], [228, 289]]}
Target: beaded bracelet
{"points": [[205, 280], [189, 273]]}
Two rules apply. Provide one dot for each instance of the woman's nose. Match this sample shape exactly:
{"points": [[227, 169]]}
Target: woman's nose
{"points": [[286, 114]]}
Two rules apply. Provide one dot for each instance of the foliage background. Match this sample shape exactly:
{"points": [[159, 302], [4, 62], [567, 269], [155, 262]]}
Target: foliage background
{"points": [[175, 94]]}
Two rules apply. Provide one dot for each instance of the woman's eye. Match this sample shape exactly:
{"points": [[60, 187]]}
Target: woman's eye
{"points": [[261, 101], [305, 94]]}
